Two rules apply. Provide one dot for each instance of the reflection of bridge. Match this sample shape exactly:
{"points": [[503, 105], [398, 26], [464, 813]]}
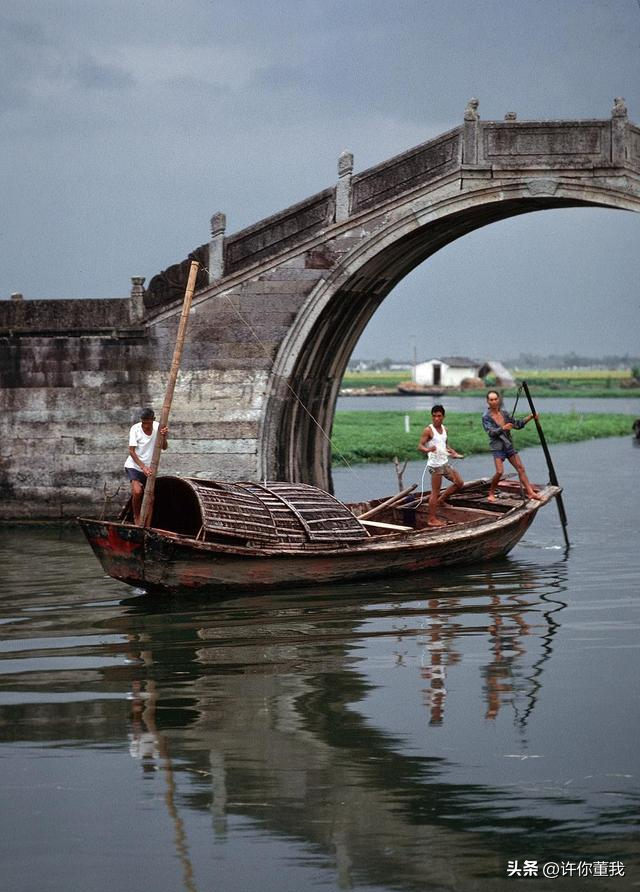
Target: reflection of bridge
{"points": [[283, 303]]}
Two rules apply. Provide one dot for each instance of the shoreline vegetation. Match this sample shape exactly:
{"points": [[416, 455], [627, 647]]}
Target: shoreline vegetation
{"points": [[362, 436], [549, 383]]}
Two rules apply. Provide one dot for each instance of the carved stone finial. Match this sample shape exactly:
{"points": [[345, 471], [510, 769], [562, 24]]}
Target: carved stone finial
{"points": [[218, 223], [619, 121], [343, 188], [216, 247], [136, 306], [470, 132], [137, 283], [345, 164], [511, 116], [619, 109], [471, 111]]}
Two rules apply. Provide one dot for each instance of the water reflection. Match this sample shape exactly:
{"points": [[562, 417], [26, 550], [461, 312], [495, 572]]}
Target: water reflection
{"points": [[505, 681], [264, 711], [283, 741], [345, 720]]}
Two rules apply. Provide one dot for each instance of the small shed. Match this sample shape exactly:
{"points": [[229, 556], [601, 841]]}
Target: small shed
{"points": [[448, 371], [503, 376]]}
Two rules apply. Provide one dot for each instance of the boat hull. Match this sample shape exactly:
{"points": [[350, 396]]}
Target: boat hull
{"points": [[157, 560]]}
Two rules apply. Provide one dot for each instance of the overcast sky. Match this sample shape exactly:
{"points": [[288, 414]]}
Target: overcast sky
{"points": [[127, 123]]}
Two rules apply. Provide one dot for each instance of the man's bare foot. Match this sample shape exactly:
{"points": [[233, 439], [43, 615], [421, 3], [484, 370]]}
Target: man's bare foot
{"points": [[534, 495], [436, 523], [491, 497]]}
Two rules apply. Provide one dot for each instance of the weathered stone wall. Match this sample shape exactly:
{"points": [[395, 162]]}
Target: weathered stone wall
{"points": [[70, 374], [51, 317], [74, 375], [232, 340]]}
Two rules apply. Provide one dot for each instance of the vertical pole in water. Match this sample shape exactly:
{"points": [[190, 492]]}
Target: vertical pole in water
{"points": [[553, 479], [146, 511]]}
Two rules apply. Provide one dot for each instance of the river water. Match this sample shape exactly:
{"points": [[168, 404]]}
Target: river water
{"points": [[434, 732], [625, 405]]}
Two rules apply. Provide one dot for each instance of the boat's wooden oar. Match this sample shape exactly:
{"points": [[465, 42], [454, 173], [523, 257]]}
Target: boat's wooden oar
{"points": [[146, 511], [387, 503], [553, 479]]}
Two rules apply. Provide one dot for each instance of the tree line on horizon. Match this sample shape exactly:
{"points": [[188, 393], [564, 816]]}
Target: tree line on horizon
{"points": [[569, 360]]}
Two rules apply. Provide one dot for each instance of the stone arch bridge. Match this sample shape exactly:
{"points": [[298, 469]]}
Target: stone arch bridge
{"points": [[278, 310]]}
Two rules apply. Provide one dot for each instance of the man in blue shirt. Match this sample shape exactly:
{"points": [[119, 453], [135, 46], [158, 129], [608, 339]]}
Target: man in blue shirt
{"points": [[498, 423]]}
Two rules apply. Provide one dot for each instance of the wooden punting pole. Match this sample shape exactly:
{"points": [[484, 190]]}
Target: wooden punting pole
{"points": [[146, 511], [553, 479]]}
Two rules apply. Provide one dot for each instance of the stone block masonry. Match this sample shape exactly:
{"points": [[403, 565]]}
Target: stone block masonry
{"points": [[74, 375]]}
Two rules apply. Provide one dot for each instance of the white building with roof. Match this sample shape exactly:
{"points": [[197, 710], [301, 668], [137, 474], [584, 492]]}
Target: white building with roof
{"points": [[448, 371], [451, 371]]}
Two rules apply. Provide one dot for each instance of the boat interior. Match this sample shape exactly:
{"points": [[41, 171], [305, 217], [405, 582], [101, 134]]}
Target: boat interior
{"points": [[468, 507], [283, 514]]}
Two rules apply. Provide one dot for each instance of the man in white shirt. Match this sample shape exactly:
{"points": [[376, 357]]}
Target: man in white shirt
{"points": [[433, 443], [142, 440]]}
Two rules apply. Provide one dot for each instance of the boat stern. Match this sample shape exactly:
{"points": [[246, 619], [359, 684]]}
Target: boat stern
{"points": [[118, 546]]}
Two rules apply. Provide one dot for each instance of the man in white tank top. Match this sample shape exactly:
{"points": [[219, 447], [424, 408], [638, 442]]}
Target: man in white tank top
{"points": [[433, 443]]}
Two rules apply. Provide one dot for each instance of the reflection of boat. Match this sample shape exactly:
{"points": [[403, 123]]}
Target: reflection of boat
{"points": [[410, 388], [213, 537]]}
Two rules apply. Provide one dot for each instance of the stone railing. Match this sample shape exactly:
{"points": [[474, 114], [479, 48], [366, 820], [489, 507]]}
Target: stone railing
{"points": [[494, 145]]}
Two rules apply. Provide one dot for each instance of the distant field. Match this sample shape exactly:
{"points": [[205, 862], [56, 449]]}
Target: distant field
{"points": [[375, 379], [379, 436], [572, 374], [579, 380], [547, 382]]}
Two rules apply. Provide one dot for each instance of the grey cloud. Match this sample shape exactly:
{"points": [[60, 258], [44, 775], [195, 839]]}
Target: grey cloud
{"points": [[26, 33], [94, 75]]}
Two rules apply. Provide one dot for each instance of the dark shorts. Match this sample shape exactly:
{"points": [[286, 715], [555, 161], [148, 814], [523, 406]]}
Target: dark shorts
{"points": [[135, 474], [505, 453]]}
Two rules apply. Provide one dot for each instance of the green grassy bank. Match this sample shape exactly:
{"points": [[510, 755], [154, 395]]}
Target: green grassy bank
{"points": [[379, 436]]}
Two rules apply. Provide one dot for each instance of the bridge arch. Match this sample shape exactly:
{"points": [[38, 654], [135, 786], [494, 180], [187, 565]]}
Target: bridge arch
{"points": [[307, 372], [279, 307]]}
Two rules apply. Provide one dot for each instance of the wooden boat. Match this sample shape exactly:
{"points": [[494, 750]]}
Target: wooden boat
{"points": [[410, 388], [213, 537]]}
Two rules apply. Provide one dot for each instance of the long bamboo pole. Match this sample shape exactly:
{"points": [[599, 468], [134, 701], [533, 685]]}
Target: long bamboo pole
{"points": [[553, 479], [146, 511], [388, 503]]}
